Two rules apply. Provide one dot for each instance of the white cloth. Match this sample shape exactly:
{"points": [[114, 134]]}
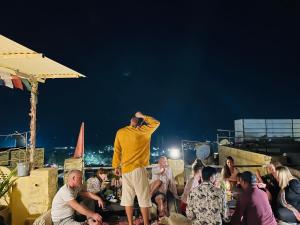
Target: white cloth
{"points": [[167, 179], [178, 219], [60, 207], [7, 79]]}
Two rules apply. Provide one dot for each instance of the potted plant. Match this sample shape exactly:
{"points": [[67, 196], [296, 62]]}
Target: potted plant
{"points": [[6, 182]]}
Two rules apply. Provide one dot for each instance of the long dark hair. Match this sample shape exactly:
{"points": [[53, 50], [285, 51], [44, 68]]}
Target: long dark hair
{"points": [[226, 171], [197, 166]]}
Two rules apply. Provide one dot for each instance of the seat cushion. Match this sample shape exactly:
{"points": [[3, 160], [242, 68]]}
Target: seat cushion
{"points": [[44, 219]]}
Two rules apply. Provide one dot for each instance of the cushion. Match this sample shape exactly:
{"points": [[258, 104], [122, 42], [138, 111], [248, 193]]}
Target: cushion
{"points": [[178, 219], [44, 219]]}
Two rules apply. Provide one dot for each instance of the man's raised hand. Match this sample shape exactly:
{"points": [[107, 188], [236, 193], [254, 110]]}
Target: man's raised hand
{"points": [[139, 115]]}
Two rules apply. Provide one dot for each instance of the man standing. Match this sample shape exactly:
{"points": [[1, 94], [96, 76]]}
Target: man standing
{"points": [[132, 154], [253, 206], [206, 203], [64, 203]]}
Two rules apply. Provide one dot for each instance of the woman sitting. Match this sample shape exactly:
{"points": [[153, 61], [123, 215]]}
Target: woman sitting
{"points": [[192, 183], [289, 196], [97, 183], [271, 184], [229, 173]]}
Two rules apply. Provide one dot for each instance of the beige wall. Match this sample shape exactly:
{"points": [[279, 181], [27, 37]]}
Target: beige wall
{"points": [[242, 157], [32, 195]]}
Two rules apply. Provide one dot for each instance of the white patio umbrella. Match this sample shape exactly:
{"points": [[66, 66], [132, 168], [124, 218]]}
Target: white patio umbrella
{"points": [[34, 67]]}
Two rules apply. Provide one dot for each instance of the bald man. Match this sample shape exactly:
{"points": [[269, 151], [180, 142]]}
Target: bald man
{"points": [[64, 203]]}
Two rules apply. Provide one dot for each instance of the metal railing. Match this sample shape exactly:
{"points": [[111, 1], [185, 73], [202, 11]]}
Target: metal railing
{"points": [[225, 134], [253, 136], [24, 135]]}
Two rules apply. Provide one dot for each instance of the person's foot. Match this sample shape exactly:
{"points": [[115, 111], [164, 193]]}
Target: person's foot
{"points": [[161, 212], [111, 198], [91, 221]]}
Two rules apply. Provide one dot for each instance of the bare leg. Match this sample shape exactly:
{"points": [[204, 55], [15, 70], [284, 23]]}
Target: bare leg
{"points": [[145, 214], [154, 186], [160, 205], [166, 208], [129, 213]]}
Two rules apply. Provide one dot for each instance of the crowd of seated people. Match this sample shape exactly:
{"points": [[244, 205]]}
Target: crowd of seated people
{"points": [[260, 199], [207, 203]]}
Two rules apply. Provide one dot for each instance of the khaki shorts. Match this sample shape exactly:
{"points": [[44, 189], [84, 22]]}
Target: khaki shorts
{"points": [[135, 183]]}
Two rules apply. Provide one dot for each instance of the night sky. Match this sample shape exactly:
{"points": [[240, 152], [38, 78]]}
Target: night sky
{"points": [[195, 66]]}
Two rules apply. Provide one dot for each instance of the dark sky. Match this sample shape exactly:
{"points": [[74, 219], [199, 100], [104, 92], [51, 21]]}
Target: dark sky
{"points": [[194, 65]]}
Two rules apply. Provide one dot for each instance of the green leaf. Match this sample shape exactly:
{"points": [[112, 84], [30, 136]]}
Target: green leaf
{"points": [[7, 183]]}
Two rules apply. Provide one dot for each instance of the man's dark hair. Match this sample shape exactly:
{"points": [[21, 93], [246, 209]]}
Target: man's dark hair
{"points": [[208, 172], [248, 177], [139, 121], [132, 116], [196, 167], [238, 175]]}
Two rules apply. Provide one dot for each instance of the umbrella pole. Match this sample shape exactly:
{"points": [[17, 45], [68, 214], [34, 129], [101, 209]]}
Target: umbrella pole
{"points": [[33, 102]]}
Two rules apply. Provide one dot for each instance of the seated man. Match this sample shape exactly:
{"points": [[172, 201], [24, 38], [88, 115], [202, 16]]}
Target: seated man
{"points": [[206, 203], [162, 181], [252, 206], [64, 203]]}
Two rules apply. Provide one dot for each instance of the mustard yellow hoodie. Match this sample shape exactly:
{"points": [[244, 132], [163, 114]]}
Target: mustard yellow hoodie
{"points": [[132, 146]]}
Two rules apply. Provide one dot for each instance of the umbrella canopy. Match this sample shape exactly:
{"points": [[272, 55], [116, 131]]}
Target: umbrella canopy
{"points": [[26, 63]]}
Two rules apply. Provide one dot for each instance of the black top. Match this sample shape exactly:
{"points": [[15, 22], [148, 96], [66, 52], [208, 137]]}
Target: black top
{"points": [[273, 187], [292, 193]]}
